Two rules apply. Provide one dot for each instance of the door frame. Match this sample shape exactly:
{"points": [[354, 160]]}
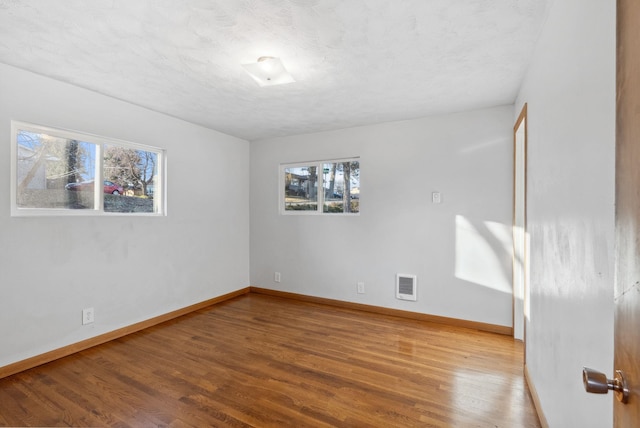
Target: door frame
{"points": [[626, 292], [520, 311]]}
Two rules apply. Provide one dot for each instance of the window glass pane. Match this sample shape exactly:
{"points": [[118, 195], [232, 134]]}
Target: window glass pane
{"points": [[54, 172], [341, 187], [301, 188], [130, 178]]}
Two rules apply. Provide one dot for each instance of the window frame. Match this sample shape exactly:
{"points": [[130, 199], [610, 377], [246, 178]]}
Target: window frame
{"points": [[160, 204], [320, 201]]}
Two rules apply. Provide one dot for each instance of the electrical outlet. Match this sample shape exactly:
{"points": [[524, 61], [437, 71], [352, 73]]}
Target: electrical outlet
{"points": [[277, 277], [87, 316], [436, 197], [361, 288]]}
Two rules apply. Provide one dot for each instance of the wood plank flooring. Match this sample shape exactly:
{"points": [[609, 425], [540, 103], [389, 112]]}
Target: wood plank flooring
{"points": [[264, 361]]}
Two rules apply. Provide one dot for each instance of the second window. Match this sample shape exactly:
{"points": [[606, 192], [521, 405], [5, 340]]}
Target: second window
{"points": [[329, 187]]}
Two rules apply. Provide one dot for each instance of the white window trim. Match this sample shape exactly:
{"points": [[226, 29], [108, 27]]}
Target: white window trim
{"points": [[319, 167], [160, 199]]}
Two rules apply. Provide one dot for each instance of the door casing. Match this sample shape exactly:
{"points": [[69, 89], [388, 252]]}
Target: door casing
{"points": [[627, 236], [519, 230]]}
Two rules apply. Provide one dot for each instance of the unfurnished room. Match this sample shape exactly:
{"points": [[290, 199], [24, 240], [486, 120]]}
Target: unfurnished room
{"points": [[319, 213]]}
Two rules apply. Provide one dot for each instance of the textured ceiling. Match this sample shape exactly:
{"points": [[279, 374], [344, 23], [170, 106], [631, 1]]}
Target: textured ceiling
{"points": [[355, 62]]}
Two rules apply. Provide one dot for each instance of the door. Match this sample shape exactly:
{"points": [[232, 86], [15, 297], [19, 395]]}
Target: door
{"points": [[627, 287], [626, 354]]}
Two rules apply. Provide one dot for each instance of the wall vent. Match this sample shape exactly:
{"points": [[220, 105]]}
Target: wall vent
{"points": [[406, 287]]}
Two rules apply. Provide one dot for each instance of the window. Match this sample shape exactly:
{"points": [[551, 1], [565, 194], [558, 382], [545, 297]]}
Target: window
{"points": [[55, 173], [338, 181]]}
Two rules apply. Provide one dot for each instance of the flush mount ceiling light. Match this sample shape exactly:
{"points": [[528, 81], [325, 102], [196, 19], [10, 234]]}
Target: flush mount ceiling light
{"points": [[268, 71]]}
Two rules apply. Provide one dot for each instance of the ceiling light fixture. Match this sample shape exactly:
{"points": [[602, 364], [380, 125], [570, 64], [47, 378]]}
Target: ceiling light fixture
{"points": [[268, 71]]}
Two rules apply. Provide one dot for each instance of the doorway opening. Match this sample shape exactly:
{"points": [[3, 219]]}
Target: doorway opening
{"points": [[520, 242]]}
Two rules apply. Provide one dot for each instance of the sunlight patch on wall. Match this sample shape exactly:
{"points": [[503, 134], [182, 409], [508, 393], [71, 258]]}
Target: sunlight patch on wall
{"points": [[520, 239], [483, 253], [485, 145]]}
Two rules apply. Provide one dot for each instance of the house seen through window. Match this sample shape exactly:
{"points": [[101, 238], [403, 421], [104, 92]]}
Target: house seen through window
{"points": [[326, 187]]}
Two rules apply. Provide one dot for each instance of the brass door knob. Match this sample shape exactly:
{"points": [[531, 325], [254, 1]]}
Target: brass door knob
{"points": [[597, 383]]}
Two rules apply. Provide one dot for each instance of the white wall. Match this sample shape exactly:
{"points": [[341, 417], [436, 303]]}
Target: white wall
{"points": [[128, 268], [460, 249], [570, 91]]}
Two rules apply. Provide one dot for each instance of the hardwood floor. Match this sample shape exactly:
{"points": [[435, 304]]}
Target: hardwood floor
{"points": [[262, 361]]}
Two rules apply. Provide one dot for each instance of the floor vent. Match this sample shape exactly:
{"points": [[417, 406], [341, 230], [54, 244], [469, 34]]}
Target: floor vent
{"points": [[406, 287]]}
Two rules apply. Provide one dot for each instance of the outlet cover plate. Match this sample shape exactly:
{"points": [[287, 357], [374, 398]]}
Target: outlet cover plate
{"points": [[87, 316]]}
